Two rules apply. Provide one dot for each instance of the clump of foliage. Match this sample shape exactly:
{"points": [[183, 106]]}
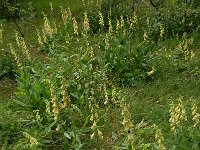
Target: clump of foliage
{"points": [[112, 9], [9, 9], [176, 17], [126, 63]]}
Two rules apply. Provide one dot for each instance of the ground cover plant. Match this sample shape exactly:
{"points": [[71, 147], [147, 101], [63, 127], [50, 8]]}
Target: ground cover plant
{"points": [[101, 74]]}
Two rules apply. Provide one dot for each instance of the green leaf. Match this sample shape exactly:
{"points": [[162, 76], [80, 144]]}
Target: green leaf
{"points": [[67, 135]]}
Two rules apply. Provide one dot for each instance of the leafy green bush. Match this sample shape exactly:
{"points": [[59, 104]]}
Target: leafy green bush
{"points": [[127, 63], [112, 9], [6, 65], [83, 84], [9, 9], [176, 18]]}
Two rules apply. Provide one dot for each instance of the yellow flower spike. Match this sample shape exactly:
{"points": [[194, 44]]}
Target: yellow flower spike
{"points": [[96, 116], [55, 30], [44, 36], [196, 116], [114, 95], [65, 97], [69, 13], [17, 59], [58, 127], [47, 106], [110, 26], [110, 12], [121, 22], [101, 20], [48, 30], [22, 45], [39, 38], [100, 135], [92, 118], [64, 15], [125, 112], [83, 2], [75, 26], [145, 36], [107, 42], [92, 136], [37, 115], [86, 24], [160, 139], [106, 94], [94, 126], [178, 115], [33, 141], [1, 34], [117, 26], [127, 124], [130, 137], [51, 6], [150, 73], [133, 21], [54, 103], [162, 30]]}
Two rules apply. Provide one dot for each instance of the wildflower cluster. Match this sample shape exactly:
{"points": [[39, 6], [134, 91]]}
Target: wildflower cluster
{"points": [[22, 45], [75, 26], [1, 34], [95, 119], [160, 139], [65, 97], [33, 141], [16, 57], [86, 25], [48, 30], [178, 115], [196, 115], [127, 123]]}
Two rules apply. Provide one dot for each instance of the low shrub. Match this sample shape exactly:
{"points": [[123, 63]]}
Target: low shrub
{"points": [[9, 9]]}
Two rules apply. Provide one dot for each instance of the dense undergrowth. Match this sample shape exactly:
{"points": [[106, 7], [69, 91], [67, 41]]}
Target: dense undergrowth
{"points": [[108, 77]]}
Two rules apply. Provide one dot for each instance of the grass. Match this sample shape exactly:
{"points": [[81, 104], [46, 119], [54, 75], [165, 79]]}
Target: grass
{"points": [[148, 100]]}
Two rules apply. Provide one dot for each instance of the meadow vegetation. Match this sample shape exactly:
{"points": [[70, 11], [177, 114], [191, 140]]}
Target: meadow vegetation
{"points": [[100, 74]]}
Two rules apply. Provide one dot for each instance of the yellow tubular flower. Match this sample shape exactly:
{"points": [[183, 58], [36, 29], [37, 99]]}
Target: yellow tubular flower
{"points": [[100, 135], [178, 114], [196, 116], [86, 25], [106, 94], [59, 127], [17, 59], [69, 13], [117, 26], [160, 139], [1, 35], [47, 106], [101, 20], [54, 104], [39, 38], [162, 30], [121, 22], [64, 15], [110, 30], [65, 98], [47, 27], [33, 141], [75, 26], [127, 123], [51, 6], [22, 45]]}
